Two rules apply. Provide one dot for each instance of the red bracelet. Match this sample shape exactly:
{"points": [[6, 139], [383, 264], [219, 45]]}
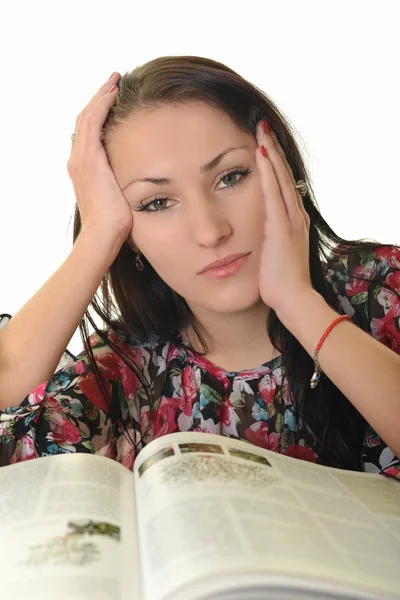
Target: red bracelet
{"points": [[317, 372]]}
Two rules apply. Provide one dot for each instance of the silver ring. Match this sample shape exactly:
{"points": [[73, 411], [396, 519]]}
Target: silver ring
{"points": [[302, 187], [73, 137]]}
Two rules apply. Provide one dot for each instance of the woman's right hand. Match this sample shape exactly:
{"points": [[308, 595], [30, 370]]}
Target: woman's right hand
{"points": [[106, 222], [102, 205]]}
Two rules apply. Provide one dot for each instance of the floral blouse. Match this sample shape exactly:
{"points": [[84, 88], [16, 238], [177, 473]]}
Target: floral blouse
{"points": [[68, 413]]}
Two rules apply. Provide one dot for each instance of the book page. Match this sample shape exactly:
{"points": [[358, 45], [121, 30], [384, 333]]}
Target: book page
{"points": [[210, 505], [68, 522]]}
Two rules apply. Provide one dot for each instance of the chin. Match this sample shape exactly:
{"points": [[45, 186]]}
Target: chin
{"points": [[232, 299]]}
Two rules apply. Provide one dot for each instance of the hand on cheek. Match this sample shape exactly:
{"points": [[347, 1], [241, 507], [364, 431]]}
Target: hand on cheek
{"points": [[284, 268]]}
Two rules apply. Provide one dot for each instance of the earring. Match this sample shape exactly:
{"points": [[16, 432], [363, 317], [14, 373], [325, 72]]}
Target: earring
{"points": [[139, 264]]}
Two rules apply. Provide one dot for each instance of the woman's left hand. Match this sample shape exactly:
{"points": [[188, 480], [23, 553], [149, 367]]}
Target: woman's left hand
{"points": [[284, 267]]}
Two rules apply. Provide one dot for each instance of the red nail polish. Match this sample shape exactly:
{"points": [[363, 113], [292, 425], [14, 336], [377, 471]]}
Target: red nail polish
{"points": [[263, 151], [265, 126]]}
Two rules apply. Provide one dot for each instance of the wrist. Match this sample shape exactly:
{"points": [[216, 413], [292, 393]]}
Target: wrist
{"points": [[297, 304], [307, 317], [104, 236], [103, 243]]}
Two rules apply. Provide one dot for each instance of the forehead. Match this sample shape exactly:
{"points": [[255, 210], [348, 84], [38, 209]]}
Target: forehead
{"points": [[179, 117], [164, 136]]}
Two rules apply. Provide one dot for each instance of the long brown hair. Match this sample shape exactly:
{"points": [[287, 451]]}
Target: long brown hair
{"points": [[136, 305]]}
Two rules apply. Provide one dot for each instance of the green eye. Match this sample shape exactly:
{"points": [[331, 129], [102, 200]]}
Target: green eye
{"points": [[238, 171]]}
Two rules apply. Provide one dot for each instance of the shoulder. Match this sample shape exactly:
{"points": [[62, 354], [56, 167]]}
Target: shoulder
{"points": [[107, 348], [368, 261], [367, 284], [370, 270], [126, 362]]}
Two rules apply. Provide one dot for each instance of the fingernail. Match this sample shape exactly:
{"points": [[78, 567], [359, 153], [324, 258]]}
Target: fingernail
{"points": [[263, 151], [265, 126], [111, 75]]}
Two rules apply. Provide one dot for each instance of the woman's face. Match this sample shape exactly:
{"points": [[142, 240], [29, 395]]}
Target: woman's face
{"points": [[205, 217]]}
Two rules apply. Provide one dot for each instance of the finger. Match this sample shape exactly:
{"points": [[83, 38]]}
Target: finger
{"points": [[92, 123], [275, 209], [285, 181], [282, 155], [103, 89], [289, 170]]}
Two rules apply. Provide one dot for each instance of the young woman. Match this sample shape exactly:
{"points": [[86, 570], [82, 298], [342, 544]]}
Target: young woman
{"points": [[176, 165]]}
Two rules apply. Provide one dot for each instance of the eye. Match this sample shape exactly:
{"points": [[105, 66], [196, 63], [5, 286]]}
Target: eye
{"points": [[242, 171], [153, 203]]}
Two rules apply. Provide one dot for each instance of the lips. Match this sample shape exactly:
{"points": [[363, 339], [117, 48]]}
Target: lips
{"points": [[221, 262]]}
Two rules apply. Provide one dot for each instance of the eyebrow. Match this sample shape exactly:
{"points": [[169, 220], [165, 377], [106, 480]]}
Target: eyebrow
{"points": [[203, 169]]}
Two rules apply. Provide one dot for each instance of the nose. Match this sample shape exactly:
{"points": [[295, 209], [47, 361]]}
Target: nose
{"points": [[208, 223]]}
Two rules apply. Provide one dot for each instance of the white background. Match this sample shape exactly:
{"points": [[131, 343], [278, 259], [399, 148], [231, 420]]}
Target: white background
{"points": [[330, 66]]}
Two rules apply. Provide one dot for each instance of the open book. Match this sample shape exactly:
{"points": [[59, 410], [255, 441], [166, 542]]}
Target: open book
{"points": [[201, 517]]}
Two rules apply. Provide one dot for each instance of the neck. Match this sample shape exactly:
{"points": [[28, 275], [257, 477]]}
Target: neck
{"points": [[235, 341]]}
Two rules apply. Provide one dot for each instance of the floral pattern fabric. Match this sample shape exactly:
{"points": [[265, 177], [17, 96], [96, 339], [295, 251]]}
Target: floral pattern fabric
{"points": [[68, 413]]}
